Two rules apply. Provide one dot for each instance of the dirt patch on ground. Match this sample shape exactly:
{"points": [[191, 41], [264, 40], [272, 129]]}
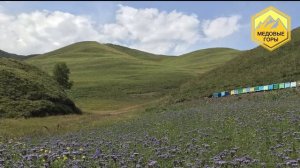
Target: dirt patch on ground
{"points": [[120, 111]]}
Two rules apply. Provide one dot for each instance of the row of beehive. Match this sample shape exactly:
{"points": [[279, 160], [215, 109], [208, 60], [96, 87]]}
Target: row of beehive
{"points": [[256, 89]]}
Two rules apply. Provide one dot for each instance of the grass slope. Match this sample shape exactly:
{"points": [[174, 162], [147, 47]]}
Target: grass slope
{"points": [[204, 60], [253, 67], [108, 77], [26, 91], [139, 54], [10, 55]]}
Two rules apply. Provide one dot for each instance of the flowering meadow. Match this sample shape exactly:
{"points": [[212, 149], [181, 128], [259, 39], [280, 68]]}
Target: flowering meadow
{"points": [[262, 130]]}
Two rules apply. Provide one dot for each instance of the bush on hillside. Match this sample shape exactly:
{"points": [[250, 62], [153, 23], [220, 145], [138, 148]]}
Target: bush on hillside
{"points": [[25, 91], [61, 74]]}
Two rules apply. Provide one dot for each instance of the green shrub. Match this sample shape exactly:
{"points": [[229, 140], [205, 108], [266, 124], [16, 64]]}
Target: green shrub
{"points": [[25, 91], [61, 75]]}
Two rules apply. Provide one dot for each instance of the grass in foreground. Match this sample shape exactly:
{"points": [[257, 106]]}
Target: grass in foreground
{"points": [[260, 130], [56, 125]]}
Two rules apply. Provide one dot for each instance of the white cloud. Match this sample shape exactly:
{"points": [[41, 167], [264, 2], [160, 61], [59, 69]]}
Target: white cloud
{"points": [[153, 30], [42, 31], [146, 29], [221, 27]]}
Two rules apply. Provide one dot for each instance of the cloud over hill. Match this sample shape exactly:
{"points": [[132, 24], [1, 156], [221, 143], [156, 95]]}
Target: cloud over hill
{"points": [[147, 29]]}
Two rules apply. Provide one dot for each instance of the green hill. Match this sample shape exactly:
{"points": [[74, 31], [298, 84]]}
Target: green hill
{"points": [[139, 54], [108, 77], [253, 67], [10, 55], [204, 60], [25, 91]]}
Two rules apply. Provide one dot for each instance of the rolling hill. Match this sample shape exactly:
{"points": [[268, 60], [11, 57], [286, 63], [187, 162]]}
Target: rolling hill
{"points": [[10, 55], [253, 67], [108, 77], [137, 53], [204, 60], [26, 91]]}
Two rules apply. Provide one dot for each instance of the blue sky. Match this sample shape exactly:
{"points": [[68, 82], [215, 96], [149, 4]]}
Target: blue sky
{"points": [[110, 22]]}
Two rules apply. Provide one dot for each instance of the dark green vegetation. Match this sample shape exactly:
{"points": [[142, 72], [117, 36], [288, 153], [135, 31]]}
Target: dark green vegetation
{"points": [[26, 91], [10, 55], [251, 68], [61, 74], [261, 130], [109, 77], [15, 56]]}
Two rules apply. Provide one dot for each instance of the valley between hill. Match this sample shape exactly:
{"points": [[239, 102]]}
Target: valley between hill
{"points": [[111, 77]]}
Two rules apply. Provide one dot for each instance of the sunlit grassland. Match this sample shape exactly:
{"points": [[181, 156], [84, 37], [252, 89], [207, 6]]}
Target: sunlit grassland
{"points": [[202, 61], [102, 84], [111, 85], [108, 77], [55, 125]]}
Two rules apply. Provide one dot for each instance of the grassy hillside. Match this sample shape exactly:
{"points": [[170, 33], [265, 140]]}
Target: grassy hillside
{"points": [[108, 77], [10, 55], [204, 60], [139, 54], [254, 67], [26, 91]]}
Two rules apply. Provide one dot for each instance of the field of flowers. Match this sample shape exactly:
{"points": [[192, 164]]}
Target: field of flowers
{"points": [[261, 130]]}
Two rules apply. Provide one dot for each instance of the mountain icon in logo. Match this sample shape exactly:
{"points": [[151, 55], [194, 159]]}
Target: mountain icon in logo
{"points": [[270, 24], [271, 28]]}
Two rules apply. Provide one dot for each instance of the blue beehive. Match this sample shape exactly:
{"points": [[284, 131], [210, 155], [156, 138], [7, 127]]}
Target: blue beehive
{"points": [[222, 94], [261, 88], [271, 87], [287, 85], [227, 93]]}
